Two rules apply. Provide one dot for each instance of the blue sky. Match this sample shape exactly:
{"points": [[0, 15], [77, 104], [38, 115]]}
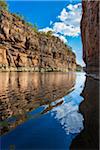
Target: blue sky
{"points": [[62, 17]]}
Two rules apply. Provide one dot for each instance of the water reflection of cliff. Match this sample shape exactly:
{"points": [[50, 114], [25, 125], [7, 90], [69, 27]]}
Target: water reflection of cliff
{"points": [[89, 138], [24, 92]]}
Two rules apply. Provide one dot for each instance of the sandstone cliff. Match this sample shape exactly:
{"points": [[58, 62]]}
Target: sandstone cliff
{"points": [[23, 49], [89, 137], [90, 35]]}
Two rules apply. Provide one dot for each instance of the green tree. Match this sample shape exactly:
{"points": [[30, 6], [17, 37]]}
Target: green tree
{"points": [[69, 48], [18, 16], [29, 24], [35, 27], [3, 5], [49, 33]]}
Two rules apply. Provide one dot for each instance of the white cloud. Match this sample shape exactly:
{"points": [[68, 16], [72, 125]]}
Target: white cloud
{"points": [[66, 30], [74, 7], [63, 15], [70, 19], [46, 29], [68, 116], [61, 37], [68, 24], [51, 22], [54, 34]]}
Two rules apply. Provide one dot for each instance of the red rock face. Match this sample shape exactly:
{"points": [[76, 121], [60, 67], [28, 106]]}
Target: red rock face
{"points": [[90, 35], [23, 49]]}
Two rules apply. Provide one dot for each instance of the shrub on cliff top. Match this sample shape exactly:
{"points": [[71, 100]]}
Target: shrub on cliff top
{"points": [[18, 16], [49, 33], [29, 24], [69, 48], [3, 5], [35, 28]]}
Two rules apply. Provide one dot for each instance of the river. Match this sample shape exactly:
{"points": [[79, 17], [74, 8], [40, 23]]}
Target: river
{"points": [[41, 110]]}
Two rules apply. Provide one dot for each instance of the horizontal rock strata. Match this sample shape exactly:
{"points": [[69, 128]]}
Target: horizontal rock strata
{"points": [[23, 49]]}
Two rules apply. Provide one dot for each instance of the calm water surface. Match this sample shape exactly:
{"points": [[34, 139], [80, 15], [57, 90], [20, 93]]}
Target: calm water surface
{"points": [[40, 110]]}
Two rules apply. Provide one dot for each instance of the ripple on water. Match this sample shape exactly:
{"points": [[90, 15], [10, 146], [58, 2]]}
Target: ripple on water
{"points": [[41, 99]]}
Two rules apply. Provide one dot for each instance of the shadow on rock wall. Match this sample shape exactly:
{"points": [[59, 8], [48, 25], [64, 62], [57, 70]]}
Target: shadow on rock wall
{"points": [[89, 137]]}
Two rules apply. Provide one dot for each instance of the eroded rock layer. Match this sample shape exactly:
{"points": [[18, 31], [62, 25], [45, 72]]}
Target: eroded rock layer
{"points": [[90, 35], [23, 49]]}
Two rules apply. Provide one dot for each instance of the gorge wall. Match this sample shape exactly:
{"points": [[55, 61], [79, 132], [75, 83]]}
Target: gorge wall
{"points": [[90, 35], [23, 49], [88, 139]]}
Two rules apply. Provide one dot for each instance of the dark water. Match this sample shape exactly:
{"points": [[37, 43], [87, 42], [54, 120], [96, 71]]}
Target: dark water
{"points": [[88, 139], [41, 110]]}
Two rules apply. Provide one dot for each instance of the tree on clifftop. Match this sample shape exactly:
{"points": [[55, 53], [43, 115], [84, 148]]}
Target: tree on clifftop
{"points": [[3, 5]]}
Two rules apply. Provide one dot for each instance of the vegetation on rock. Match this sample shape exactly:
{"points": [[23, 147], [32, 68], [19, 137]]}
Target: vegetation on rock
{"points": [[24, 48], [3, 5]]}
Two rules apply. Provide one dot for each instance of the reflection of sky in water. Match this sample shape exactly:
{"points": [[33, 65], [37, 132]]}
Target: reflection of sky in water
{"points": [[67, 113], [51, 129]]}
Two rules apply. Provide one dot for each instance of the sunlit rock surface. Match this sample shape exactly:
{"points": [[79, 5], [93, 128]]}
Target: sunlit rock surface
{"points": [[23, 49]]}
